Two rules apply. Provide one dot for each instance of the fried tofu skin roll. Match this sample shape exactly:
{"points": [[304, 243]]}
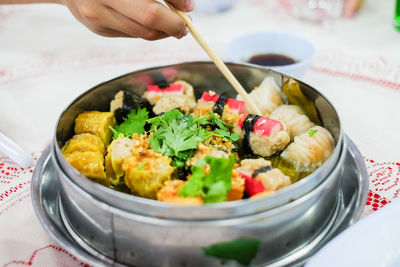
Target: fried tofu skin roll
{"points": [[295, 119], [310, 149], [261, 179], [266, 96], [169, 193], [117, 151], [97, 123], [178, 95], [146, 170], [228, 109], [261, 135]]}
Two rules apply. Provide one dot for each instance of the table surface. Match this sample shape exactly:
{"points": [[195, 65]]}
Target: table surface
{"points": [[47, 59]]}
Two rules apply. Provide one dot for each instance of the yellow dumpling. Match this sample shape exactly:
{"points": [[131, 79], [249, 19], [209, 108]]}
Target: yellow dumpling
{"points": [[97, 123], [145, 176], [117, 151], [89, 164], [84, 143], [146, 170], [170, 193]]}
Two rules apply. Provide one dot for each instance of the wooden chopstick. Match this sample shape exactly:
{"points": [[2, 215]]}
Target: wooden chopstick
{"points": [[217, 61]]}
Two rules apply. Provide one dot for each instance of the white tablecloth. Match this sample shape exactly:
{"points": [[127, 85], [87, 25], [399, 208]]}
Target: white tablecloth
{"points": [[47, 59]]}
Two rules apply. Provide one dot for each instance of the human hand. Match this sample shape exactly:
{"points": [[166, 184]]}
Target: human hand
{"points": [[147, 19], [351, 7]]}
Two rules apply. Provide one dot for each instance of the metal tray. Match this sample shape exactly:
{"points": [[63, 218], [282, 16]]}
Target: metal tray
{"points": [[352, 196]]}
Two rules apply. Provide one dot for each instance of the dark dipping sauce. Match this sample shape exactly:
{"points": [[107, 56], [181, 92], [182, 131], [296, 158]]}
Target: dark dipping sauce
{"points": [[271, 60]]}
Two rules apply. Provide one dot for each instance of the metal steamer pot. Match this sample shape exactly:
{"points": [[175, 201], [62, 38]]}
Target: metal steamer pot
{"points": [[143, 232]]}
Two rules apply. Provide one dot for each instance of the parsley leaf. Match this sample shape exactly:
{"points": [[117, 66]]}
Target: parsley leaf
{"points": [[311, 132], [242, 249], [224, 128], [133, 123], [213, 186], [177, 135]]}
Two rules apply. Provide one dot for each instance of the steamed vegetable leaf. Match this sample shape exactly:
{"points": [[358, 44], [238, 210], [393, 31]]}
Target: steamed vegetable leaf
{"points": [[133, 123], [214, 185], [295, 96]]}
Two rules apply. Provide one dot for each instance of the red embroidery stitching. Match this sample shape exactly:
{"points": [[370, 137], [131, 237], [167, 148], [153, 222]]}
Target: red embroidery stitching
{"points": [[19, 197], [384, 181], [34, 254], [376, 201], [358, 77], [13, 190]]}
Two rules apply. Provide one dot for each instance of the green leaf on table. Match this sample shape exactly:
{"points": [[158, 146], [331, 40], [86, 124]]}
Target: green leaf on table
{"points": [[243, 250]]}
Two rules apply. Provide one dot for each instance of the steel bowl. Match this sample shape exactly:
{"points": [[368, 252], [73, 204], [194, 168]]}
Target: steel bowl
{"points": [[138, 231]]}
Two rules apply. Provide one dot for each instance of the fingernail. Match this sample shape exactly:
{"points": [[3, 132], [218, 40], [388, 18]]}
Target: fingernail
{"points": [[185, 32], [189, 5]]}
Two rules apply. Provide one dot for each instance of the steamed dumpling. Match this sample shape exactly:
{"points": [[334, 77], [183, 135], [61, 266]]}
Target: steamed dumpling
{"points": [[267, 96], [310, 149], [294, 118]]}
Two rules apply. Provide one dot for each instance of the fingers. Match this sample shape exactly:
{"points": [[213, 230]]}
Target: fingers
{"points": [[147, 19], [183, 5], [119, 22], [106, 32], [152, 14]]}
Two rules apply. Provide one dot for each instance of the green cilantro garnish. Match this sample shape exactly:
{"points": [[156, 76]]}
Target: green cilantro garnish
{"points": [[243, 250], [214, 185], [224, 128], [311, 132], [133, 123], [177, 135]]}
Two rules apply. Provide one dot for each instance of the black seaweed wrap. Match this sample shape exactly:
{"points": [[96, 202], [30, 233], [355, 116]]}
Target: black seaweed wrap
{"points": [[131, 101], [248, 125], [261, 170], [160, 80], [220, 104]]}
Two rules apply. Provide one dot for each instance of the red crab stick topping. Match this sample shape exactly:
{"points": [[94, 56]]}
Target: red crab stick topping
{"points": [[176, 88], [236, 106], [263, 126], [207, 97], [252, 186]]}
